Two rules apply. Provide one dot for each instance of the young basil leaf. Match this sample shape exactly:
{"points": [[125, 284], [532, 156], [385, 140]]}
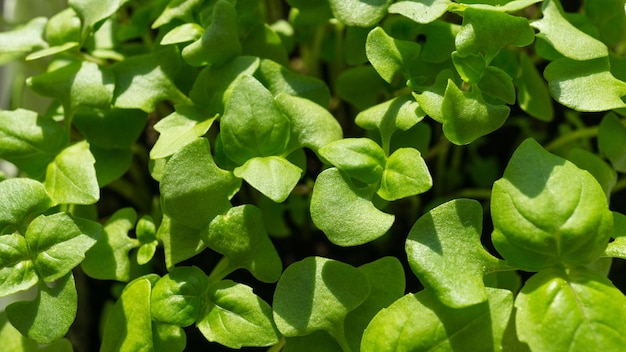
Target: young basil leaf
{"points": [[63, 28], [274, 176], [49, 316], [278, 79], [593, 307], [17, 271], [180, 242], [405, 174], [21, 199], [316, 294], [108, 258], [420, 11], [240, 236], [420, 322], [234, 317], [252, 124], [532, 94], [344, 212], [71, 177], [445, 252], [221, 33], [22, 40], [177, 297], [612, 141], [546, 211], [359, 13], [141, 81], [360, 158], [30, 141], [194, 189], [146, 235], [58, 243], [470, 67], [389, 55], [77, 84]]}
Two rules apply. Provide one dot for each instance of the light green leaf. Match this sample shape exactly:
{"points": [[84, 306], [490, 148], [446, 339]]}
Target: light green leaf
{"points": [[168, 338], [178, 9], [53, 50], [58, 243], [470, 67], [344, 212], [108, 258], [71, 177], [17, 272], [360, 158], [240, 236], [431, 98], [617, 248], [63, 28], [187, 32], [565, 37], [405, 174], [574, 310], [532, 93], [585, 85], [221, 33], [178, 297], [146, 235], [612, 141], [273, 176], [30, 141], [111, 128], [446, 254], [20, 41], [252, 124], [21, 199], [312, 126], [420, 11], [316, 294], [278, 79], [178, 129], [235, 317], [194, 189], [389, 55], [94, 11], [142, 81], [180, 242], [359, 13], [601, 170], [420, 322], [49, 316], [546, 211]]}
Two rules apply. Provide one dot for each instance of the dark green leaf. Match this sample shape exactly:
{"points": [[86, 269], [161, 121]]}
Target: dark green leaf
{"points": [[612, 141], [111, 129], [264, 42], [601, 170], [532, 93]]}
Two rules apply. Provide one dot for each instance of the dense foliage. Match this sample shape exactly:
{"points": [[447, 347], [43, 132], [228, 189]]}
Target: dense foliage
{"points": [[334, 175]]}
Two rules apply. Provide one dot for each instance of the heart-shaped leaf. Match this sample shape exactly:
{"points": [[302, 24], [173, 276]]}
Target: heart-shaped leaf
{"points": [[177, 297], [21, 199], [71, 177], [405, 174]]}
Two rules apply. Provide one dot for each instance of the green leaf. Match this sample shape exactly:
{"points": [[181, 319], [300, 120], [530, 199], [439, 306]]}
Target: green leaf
{"points": [[311, 125], [108, 258], [273, 176], [278, 79], [420, 11], [49, 316], [446, 254], [187, 32], [360, 158], [467, 116], [111, 129], [405, 174], [129, 326], [235, 317], [77, 84], [178, 9], [497, 84], [617, 248], [487, 32], [565, 37], [601, 170], [180, 242], [30, 141], [240, 236], [359, 12], [532, 93], [146, 235], [585, 85], [360, 86], [390, 56], [344, 212], [178, 129], [316, 294], [21, 199], [194, 189], [316, 341], [71, 177], [431, 99], [52, 51], [470, 67], [111, 164], [168, 338], [264, 42], [22, 40], [177, 297], [612, 141], [500, 5], [17, 271], [221, 33], [420, 322], [142, 81], [252, 124], [572, 310], [58, 243], [546, 211], [63, 28], [94, 11]]}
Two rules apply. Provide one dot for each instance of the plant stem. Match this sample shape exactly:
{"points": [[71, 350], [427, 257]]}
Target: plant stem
{"points": [[570, 137], [221, 270]]}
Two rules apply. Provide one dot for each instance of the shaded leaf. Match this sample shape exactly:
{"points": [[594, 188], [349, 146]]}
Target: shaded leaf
{"points": [[612, 141], [532, 93], [273, 176]]}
